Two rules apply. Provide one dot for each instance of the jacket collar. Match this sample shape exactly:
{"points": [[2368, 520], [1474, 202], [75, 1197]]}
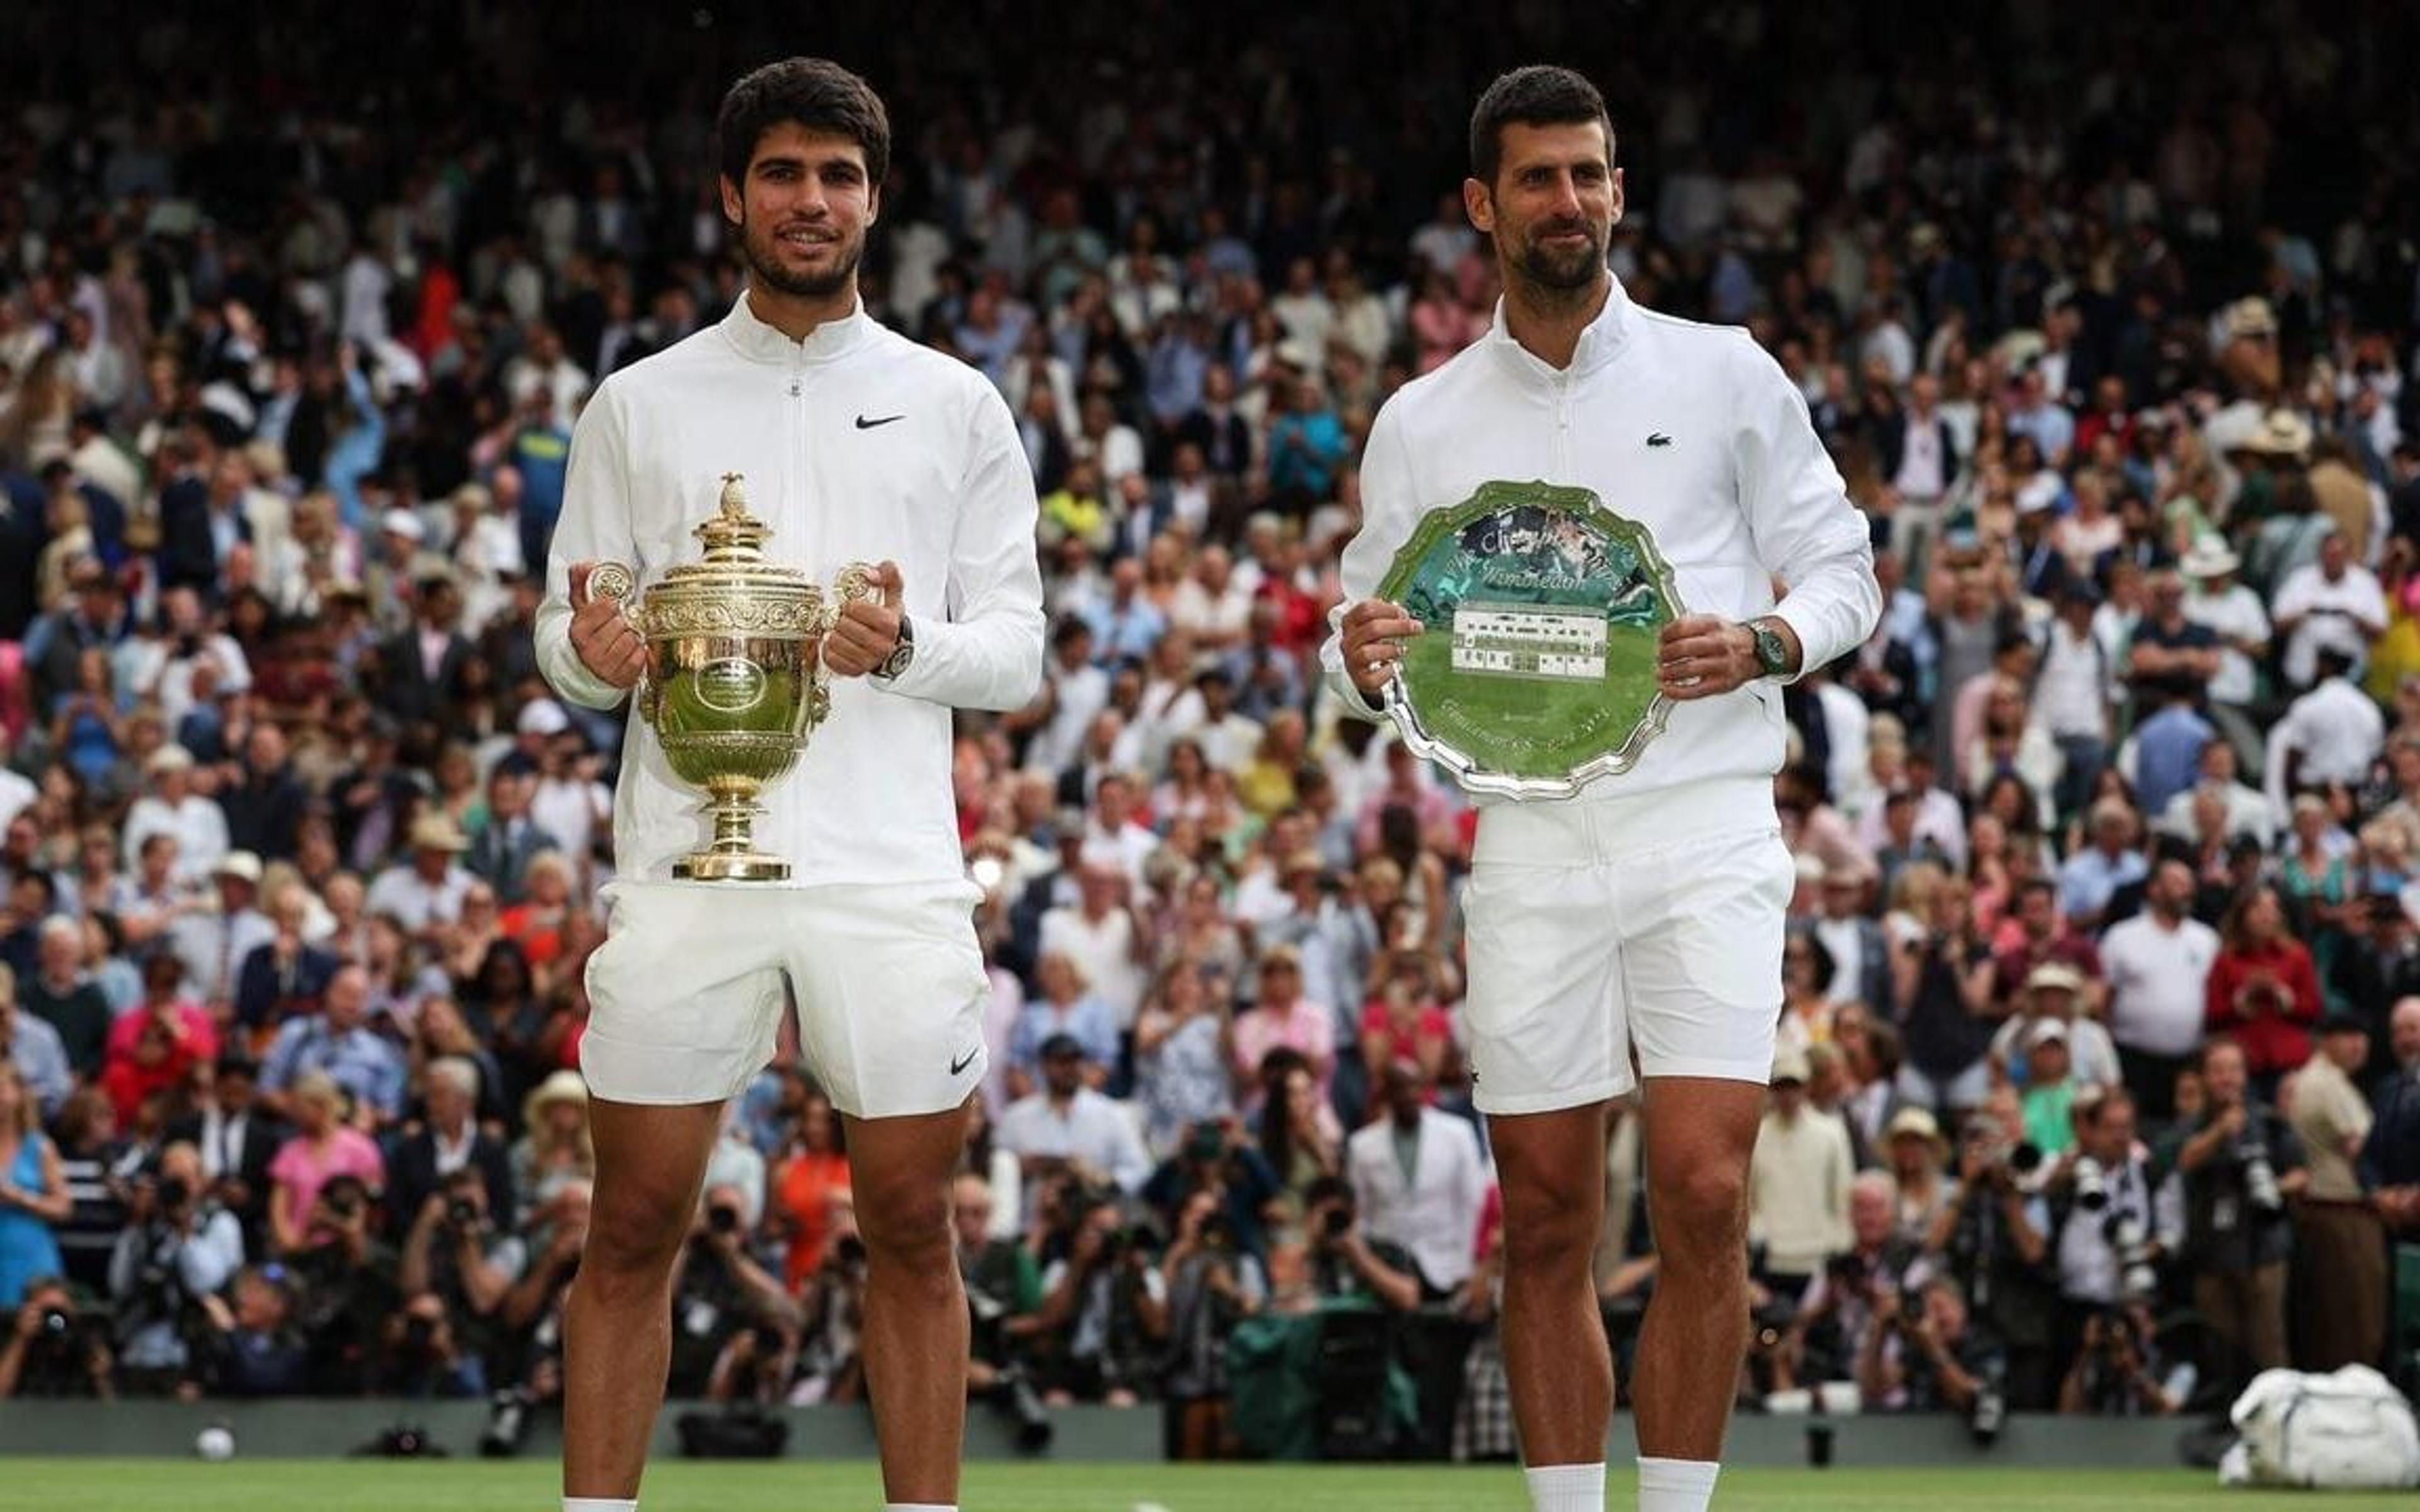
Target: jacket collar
{"points": [[1600, 341], [761, 343]]}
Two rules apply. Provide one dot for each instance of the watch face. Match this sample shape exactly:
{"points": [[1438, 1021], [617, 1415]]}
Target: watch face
{"points": [[1771, 654]]}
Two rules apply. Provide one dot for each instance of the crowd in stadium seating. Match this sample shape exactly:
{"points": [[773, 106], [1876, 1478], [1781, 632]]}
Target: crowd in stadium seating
{"points": [[2100, 1073]]}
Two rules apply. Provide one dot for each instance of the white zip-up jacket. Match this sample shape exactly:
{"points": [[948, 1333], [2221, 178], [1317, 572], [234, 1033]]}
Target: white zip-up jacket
{"points": [[857, 445], [1735, 486]]}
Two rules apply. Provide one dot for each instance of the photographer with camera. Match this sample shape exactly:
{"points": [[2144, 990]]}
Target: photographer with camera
{"points": [[1345, 1261], [1212, 1283], [257, 1344], [1104, 1314], [735, 1329], [180, 1246], [2239, 1163], [1831, 1318], [1920, 1355], [2117, 1372], [456, 1255], [54, 1350], [532, 1315], [1003, 1300], [2114, 1231], [1994, 1236]]}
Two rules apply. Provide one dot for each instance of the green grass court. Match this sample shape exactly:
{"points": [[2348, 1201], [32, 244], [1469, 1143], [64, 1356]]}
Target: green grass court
{"points": [[93, 1485]]}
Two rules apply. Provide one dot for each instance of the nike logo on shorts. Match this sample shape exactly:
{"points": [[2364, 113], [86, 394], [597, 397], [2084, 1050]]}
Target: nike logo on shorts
{"points": [[864, 423], [964, 1061]]}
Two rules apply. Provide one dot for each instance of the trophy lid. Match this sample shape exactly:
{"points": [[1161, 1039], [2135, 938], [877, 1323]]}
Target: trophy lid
{"points": [[735, 551]]}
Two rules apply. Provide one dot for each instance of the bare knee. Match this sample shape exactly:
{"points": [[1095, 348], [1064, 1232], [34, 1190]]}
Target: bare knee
{"points": [[1550, 1226], [905, 1226], [632, 1238], [1700, 1215]]}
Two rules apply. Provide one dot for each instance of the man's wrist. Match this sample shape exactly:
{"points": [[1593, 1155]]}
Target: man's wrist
{"points": [[903, 652]]}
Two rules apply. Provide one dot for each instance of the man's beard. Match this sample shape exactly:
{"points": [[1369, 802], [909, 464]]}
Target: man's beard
{"points": [[1564, 271], [764, 268]]}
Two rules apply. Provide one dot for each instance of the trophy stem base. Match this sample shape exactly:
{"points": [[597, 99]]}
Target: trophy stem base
{"points": [[741, 866], [733, 855]]}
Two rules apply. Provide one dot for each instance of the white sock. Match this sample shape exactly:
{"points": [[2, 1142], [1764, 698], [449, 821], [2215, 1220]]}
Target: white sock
{"points": [[598, 1503], [1676, 1485], [919, 1506], [1567, 1488]]}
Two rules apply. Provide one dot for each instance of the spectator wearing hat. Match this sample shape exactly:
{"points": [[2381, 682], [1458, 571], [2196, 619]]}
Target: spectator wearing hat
{"points": [[2330, 736], [554, 1149], [2340, 1273], [1066, 1125], [2219, 602], [1915, 1158], [2056, 992], [173, 808], [426, 892], [2333, 603], [1798, 1181], [395, 560]]}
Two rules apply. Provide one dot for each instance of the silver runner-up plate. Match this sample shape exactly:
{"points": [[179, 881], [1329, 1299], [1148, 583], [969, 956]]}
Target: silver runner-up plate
{"points": [[1534, 671]]}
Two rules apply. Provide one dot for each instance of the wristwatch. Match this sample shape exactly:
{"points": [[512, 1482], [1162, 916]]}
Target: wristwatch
{"points": [[1772, 652], [901, 655]]}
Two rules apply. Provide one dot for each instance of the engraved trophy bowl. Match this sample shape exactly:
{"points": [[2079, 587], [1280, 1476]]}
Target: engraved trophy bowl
{"points": [[735, 683]]}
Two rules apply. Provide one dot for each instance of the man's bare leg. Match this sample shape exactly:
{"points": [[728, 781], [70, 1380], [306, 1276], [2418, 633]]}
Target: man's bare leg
{"points": [[1551, 1167], [618, 1328], [1698, 1134], [915, 1344]]}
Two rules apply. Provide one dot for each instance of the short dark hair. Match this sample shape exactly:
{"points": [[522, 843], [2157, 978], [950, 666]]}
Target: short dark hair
{"points": [[1538, 95], [814, 93]]}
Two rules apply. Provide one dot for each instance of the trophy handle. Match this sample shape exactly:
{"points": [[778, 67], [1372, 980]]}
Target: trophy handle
{"points": [[854, 584], [618, 585]]}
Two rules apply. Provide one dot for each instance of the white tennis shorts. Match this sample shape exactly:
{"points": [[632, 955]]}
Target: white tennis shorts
{"points": [[685, 993], [1603, 925]]}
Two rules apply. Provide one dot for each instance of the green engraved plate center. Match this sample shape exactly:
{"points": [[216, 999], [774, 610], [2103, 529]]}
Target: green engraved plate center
{"points": [[1535, 673]]}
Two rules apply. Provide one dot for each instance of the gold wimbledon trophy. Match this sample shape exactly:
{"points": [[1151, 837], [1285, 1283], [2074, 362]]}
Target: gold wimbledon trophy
{"points": [[735, 681]]}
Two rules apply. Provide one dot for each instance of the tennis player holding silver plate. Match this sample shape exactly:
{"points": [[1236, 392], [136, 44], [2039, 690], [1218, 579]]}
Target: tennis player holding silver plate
{"points": [[1631, 904]]}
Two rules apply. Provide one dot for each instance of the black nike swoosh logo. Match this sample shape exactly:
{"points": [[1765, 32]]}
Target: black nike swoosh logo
{"points": [[864, 423], [964, 1061]]}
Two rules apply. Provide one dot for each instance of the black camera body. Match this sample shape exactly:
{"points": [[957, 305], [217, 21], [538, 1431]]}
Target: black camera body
{"points": [[462, 1212]]}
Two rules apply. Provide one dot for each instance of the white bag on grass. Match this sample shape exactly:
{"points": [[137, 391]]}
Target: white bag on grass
{"points": [[2351, 1431]]}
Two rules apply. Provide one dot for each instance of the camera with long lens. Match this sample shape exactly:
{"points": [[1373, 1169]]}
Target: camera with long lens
{"points": [[1991, 1412], [462, 1214], [2259, 1175], [722, 1218], [2128, 1239], [2091, 1185], [1016, 1400], [507, 1424]]}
